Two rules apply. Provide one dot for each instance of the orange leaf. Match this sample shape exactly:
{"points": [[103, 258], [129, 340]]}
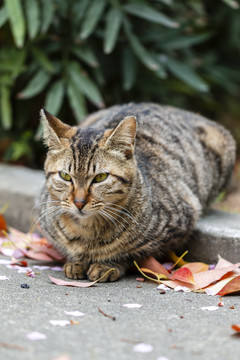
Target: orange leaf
{"points": [[231, 287], [3, 225], [152, 264], [236, 327], [204, 279], [183, 274], [196, 267]]}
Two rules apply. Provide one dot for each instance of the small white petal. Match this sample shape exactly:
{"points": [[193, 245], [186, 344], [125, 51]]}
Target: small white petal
{"points": [[3, 277], [36, 336], [162, 287], [41, 267], [5, 262], [210, 308], [162, 358], [59, 322], [143, 348], [182, 288], [74, 313], [132, 306]]}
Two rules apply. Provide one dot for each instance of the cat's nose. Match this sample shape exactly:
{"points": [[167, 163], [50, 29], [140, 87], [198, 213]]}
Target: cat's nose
{"points": [[79, 203]]}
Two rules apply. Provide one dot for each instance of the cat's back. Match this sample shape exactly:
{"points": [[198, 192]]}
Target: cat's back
{"points": [[177, 145]]}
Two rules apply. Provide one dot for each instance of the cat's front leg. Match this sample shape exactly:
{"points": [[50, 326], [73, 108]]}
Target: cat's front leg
{"points": [[75, 270], [105, 272]]}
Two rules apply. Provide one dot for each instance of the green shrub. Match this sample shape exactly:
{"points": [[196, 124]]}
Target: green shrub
{"points": [[75, 56]]}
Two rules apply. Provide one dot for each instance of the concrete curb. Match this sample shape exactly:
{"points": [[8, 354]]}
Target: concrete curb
{"points": [[216, 233]]}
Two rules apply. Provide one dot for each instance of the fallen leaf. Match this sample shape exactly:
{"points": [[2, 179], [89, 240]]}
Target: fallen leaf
{"points": [[36, 336], [3, 226], [236, 327], [19, 263], [72, 283], [183, 274], [231, 286], [143, 348], [196, 267], [152, 264], [206, 278], [77, 283]]}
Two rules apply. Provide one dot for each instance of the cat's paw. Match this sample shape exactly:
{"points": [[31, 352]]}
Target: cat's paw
{"points": [[74, 270], [96, 271]]}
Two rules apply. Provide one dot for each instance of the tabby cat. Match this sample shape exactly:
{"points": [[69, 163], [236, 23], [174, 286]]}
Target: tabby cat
{"points": [[130, 182]]}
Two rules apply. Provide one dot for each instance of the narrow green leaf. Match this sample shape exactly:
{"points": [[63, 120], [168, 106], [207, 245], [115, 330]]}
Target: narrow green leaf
{"points": [[42, 59], [85, 85], [3, 16], [17, 22], [35, 85], [232, 3], [141, 52], [180, 42], [92, 17], [77, 102], [129, 69], [113, 23], [54, 97], [186, 74], [85, 54], [148, 13], [33, 17], [47, 14], [6, 109]]}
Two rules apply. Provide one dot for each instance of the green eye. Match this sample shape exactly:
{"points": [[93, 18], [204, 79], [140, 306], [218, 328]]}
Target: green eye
{"points": [[65, 176], [100, 177]]}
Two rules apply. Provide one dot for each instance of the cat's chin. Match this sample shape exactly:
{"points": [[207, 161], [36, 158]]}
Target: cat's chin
{"points": [[85, 215]]}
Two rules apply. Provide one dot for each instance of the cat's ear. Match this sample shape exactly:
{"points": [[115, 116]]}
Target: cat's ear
{"points": [[55, 132], [122, 138]]}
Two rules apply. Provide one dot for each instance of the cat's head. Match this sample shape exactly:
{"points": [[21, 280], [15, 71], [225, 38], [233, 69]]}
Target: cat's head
{"points": [[87, 169]]}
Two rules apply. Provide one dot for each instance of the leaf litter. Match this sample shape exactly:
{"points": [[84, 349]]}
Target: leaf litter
{"points": [[222, 279]]}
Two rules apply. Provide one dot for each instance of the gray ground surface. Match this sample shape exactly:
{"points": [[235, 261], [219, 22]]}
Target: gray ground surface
{"points": [[173, 323]]}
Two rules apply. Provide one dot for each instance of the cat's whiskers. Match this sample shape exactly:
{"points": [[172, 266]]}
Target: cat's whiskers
{"points": [[114, 218], [124, 211], [46, 212], [121, 217], [110, 217], [44, 203], [50, 211], [104, 217]]}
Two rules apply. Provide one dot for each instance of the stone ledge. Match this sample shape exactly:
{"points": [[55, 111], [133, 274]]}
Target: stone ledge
{"points": [[19, 188], [216, 233]]}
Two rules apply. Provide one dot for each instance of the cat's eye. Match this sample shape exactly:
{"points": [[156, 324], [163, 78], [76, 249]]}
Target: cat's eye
{"points": [[65, 176], [100, 177]]}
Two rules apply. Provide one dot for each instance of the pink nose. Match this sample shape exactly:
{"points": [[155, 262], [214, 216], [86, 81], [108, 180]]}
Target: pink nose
{"points": [[79, 203]]}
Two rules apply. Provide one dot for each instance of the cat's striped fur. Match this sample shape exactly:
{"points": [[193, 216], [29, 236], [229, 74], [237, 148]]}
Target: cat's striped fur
{"points": [[158, 184]]}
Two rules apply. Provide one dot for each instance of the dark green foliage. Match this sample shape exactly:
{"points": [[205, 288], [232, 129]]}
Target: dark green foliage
{"points": [[76, 56]]}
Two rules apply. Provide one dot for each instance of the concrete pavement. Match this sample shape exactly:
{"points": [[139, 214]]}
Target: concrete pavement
{"points": [[173, 325]]}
